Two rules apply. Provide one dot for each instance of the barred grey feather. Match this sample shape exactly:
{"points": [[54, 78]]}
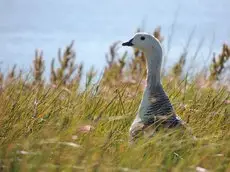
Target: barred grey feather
{"points": [[160, 108]]}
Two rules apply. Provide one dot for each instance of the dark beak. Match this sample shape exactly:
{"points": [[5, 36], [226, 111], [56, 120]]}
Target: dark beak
{"points": [[129, 43]]}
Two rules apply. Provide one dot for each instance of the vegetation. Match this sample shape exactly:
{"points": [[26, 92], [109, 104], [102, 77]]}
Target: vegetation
{"points": [[59, 125]]}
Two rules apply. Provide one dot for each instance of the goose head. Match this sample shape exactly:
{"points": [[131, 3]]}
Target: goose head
{"points": [[144, 41]]}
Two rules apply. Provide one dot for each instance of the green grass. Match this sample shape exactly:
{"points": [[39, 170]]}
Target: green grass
{"points": [[44, 135]]}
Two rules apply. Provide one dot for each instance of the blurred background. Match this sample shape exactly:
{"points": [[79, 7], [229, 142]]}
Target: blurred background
{"points": [[27, 25]]}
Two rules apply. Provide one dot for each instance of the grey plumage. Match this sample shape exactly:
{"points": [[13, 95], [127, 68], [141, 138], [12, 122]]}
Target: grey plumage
{"points": [[158, 112], [160, 104], [160, 108]]}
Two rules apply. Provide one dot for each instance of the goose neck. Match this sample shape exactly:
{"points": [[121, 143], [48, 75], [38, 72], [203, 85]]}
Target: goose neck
{"points": [[153, 69]]}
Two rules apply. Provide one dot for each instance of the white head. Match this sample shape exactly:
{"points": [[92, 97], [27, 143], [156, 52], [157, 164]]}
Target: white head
{"points": [[153, 52], [145, 42]]}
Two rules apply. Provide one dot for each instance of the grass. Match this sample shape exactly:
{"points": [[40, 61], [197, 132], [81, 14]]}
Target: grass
{"points": [[56, 126]]}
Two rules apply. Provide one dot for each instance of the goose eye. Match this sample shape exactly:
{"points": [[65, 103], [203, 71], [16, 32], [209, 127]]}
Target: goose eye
{"points": [[142, 38]]}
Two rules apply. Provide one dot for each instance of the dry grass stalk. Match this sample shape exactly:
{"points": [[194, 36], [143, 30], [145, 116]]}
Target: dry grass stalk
{"points": [[63, 74], [157, 34], [218, 63], [178, 67], [115, 66], [38, 67], [75, 81], [11, 75], [1, 80], [111, 56], [90, 76]]}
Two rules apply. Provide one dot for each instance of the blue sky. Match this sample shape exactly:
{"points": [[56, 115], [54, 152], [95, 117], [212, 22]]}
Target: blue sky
{"points": [[94, 25]]}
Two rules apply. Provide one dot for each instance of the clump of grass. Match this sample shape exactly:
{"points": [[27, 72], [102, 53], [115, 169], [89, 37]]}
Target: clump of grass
{"points": [[52, 126]]}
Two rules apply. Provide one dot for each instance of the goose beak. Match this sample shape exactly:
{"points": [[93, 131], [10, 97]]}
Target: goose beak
{"points": [[129, 43]]}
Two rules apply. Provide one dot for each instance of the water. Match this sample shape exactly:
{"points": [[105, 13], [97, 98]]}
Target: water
{"points": [[49, 24]]}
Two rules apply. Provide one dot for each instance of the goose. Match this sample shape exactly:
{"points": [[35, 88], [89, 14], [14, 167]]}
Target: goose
{"points": [[155, 109]]}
